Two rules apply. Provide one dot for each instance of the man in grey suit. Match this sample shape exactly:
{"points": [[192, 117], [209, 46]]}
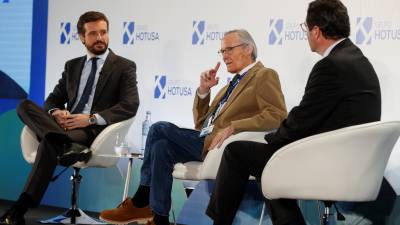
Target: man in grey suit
{"points": [[98, 89], [342, 90]]}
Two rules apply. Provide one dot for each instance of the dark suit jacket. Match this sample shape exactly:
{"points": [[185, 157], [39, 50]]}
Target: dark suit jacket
{"points": [[342, 90], [116, 97]]}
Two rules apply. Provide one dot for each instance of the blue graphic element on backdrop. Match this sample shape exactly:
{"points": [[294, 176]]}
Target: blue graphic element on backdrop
{"points": [[128, 37], [160, 86], [65, 37], [364, 30], [9, 88], [275, 35], [6, 1], [10, 93], [198, 36]]}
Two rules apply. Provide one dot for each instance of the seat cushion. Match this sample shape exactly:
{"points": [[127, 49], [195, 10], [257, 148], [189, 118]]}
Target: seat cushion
{"points": [[188, 171]]}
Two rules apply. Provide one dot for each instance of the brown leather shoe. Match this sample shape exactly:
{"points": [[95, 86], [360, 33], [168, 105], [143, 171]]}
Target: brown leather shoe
{"points": [[126, 213]]}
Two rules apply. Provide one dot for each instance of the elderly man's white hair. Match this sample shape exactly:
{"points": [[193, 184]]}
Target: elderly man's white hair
{"points": [[245, 38]]}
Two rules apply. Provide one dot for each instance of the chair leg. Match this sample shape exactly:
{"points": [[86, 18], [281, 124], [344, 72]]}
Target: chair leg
{"points": [[74, 215], [188, 191], [262, 214], [325, 217], [76, 181], [189, 186]]}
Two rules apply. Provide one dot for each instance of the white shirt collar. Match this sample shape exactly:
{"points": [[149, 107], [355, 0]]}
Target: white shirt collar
{"points": [[247, 68], [329, 49], [103, 56]]}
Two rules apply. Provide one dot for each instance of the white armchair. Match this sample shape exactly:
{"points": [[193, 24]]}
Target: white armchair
{"points": [[342, 165], [103, 144], [209, 167], [193, 172]]}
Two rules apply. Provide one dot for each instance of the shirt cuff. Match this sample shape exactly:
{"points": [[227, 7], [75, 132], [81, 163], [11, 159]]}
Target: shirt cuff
{"points": [[51, 110], [202, 96], [100, 120]]}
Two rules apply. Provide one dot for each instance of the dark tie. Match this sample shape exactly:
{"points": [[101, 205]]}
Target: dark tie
{"points": [[223, 99], [88, 88], [231, 86]]}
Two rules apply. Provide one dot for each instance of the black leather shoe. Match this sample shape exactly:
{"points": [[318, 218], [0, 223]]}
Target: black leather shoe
{"points": [[75, 153], [12, 217]]}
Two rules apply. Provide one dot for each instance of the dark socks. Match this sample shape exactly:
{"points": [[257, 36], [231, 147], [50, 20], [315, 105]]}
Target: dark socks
{"points": [[142, 196], [161, 220]]}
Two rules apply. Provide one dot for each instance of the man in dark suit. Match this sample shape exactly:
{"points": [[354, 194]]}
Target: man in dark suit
{"points": [[342, 90], [98, 89]]}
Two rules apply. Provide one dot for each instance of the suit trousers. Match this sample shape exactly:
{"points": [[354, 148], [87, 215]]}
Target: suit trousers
{"points": [[52, 140], [166, 145], [240, 160]]}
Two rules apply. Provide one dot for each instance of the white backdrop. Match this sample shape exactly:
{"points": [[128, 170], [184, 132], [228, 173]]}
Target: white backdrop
{"points": [[173, 41]]}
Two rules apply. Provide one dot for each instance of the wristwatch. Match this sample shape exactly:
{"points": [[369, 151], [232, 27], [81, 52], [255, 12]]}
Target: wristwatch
{"points": [[92, 119]]}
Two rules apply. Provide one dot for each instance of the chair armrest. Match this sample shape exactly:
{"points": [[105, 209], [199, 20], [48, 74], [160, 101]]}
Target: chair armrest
{"points": [[213, 158], [104, 144], [29, 144]]}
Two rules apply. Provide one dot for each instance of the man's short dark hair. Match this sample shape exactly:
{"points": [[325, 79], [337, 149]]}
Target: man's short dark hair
{"points": [[90, 16], [330, 16]]}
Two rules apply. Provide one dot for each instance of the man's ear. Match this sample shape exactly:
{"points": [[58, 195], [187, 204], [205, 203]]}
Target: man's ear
{"points": [[82, 38], [249, 49], [317, 32]]}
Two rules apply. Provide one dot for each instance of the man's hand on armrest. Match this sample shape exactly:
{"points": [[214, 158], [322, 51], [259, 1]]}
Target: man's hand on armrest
{"points": [[221, 136]]}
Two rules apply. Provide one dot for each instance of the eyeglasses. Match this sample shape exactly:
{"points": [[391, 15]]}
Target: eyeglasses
{"points": [[304, 27], [228, 50]]}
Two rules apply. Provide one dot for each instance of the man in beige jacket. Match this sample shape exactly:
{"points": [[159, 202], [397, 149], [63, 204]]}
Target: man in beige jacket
{"points": [[252, 101]]}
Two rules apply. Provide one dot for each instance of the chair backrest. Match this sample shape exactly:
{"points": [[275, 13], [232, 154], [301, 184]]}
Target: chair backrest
{"points": [[103, 144], [342, 165]]}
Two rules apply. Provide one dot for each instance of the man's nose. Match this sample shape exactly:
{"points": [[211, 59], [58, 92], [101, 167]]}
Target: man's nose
{"points": [[99, 36]]}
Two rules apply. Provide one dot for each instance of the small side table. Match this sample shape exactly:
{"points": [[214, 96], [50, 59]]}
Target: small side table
{"points": [[130, 157]]}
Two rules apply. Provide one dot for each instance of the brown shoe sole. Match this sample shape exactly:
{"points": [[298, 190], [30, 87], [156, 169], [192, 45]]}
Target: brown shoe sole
{"points": [[138, 220]]}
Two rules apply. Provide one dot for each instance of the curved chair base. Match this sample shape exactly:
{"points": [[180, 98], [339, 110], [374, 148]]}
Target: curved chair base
{"points": [[65, 218]]}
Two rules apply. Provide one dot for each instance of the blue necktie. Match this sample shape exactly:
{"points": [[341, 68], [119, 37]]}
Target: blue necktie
{"points": [[232, 86], [88, 88]]}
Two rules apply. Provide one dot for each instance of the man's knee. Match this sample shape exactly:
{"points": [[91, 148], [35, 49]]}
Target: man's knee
{"points": [[24, 106], [161, 128], [235, 150]]}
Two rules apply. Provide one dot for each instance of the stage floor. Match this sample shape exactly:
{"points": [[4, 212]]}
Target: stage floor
{"points": [[39, 213], [42, 212]]}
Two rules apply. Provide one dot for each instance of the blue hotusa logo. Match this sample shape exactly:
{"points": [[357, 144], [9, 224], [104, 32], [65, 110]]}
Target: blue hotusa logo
{"points": [[65, 36], [275, 34], [198, 35], [160, 86], [128, 36], [364, 30], [134, 32], [6, 1]]}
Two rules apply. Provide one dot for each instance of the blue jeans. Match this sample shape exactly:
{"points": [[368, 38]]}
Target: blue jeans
{"points": [[166, 145]]}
